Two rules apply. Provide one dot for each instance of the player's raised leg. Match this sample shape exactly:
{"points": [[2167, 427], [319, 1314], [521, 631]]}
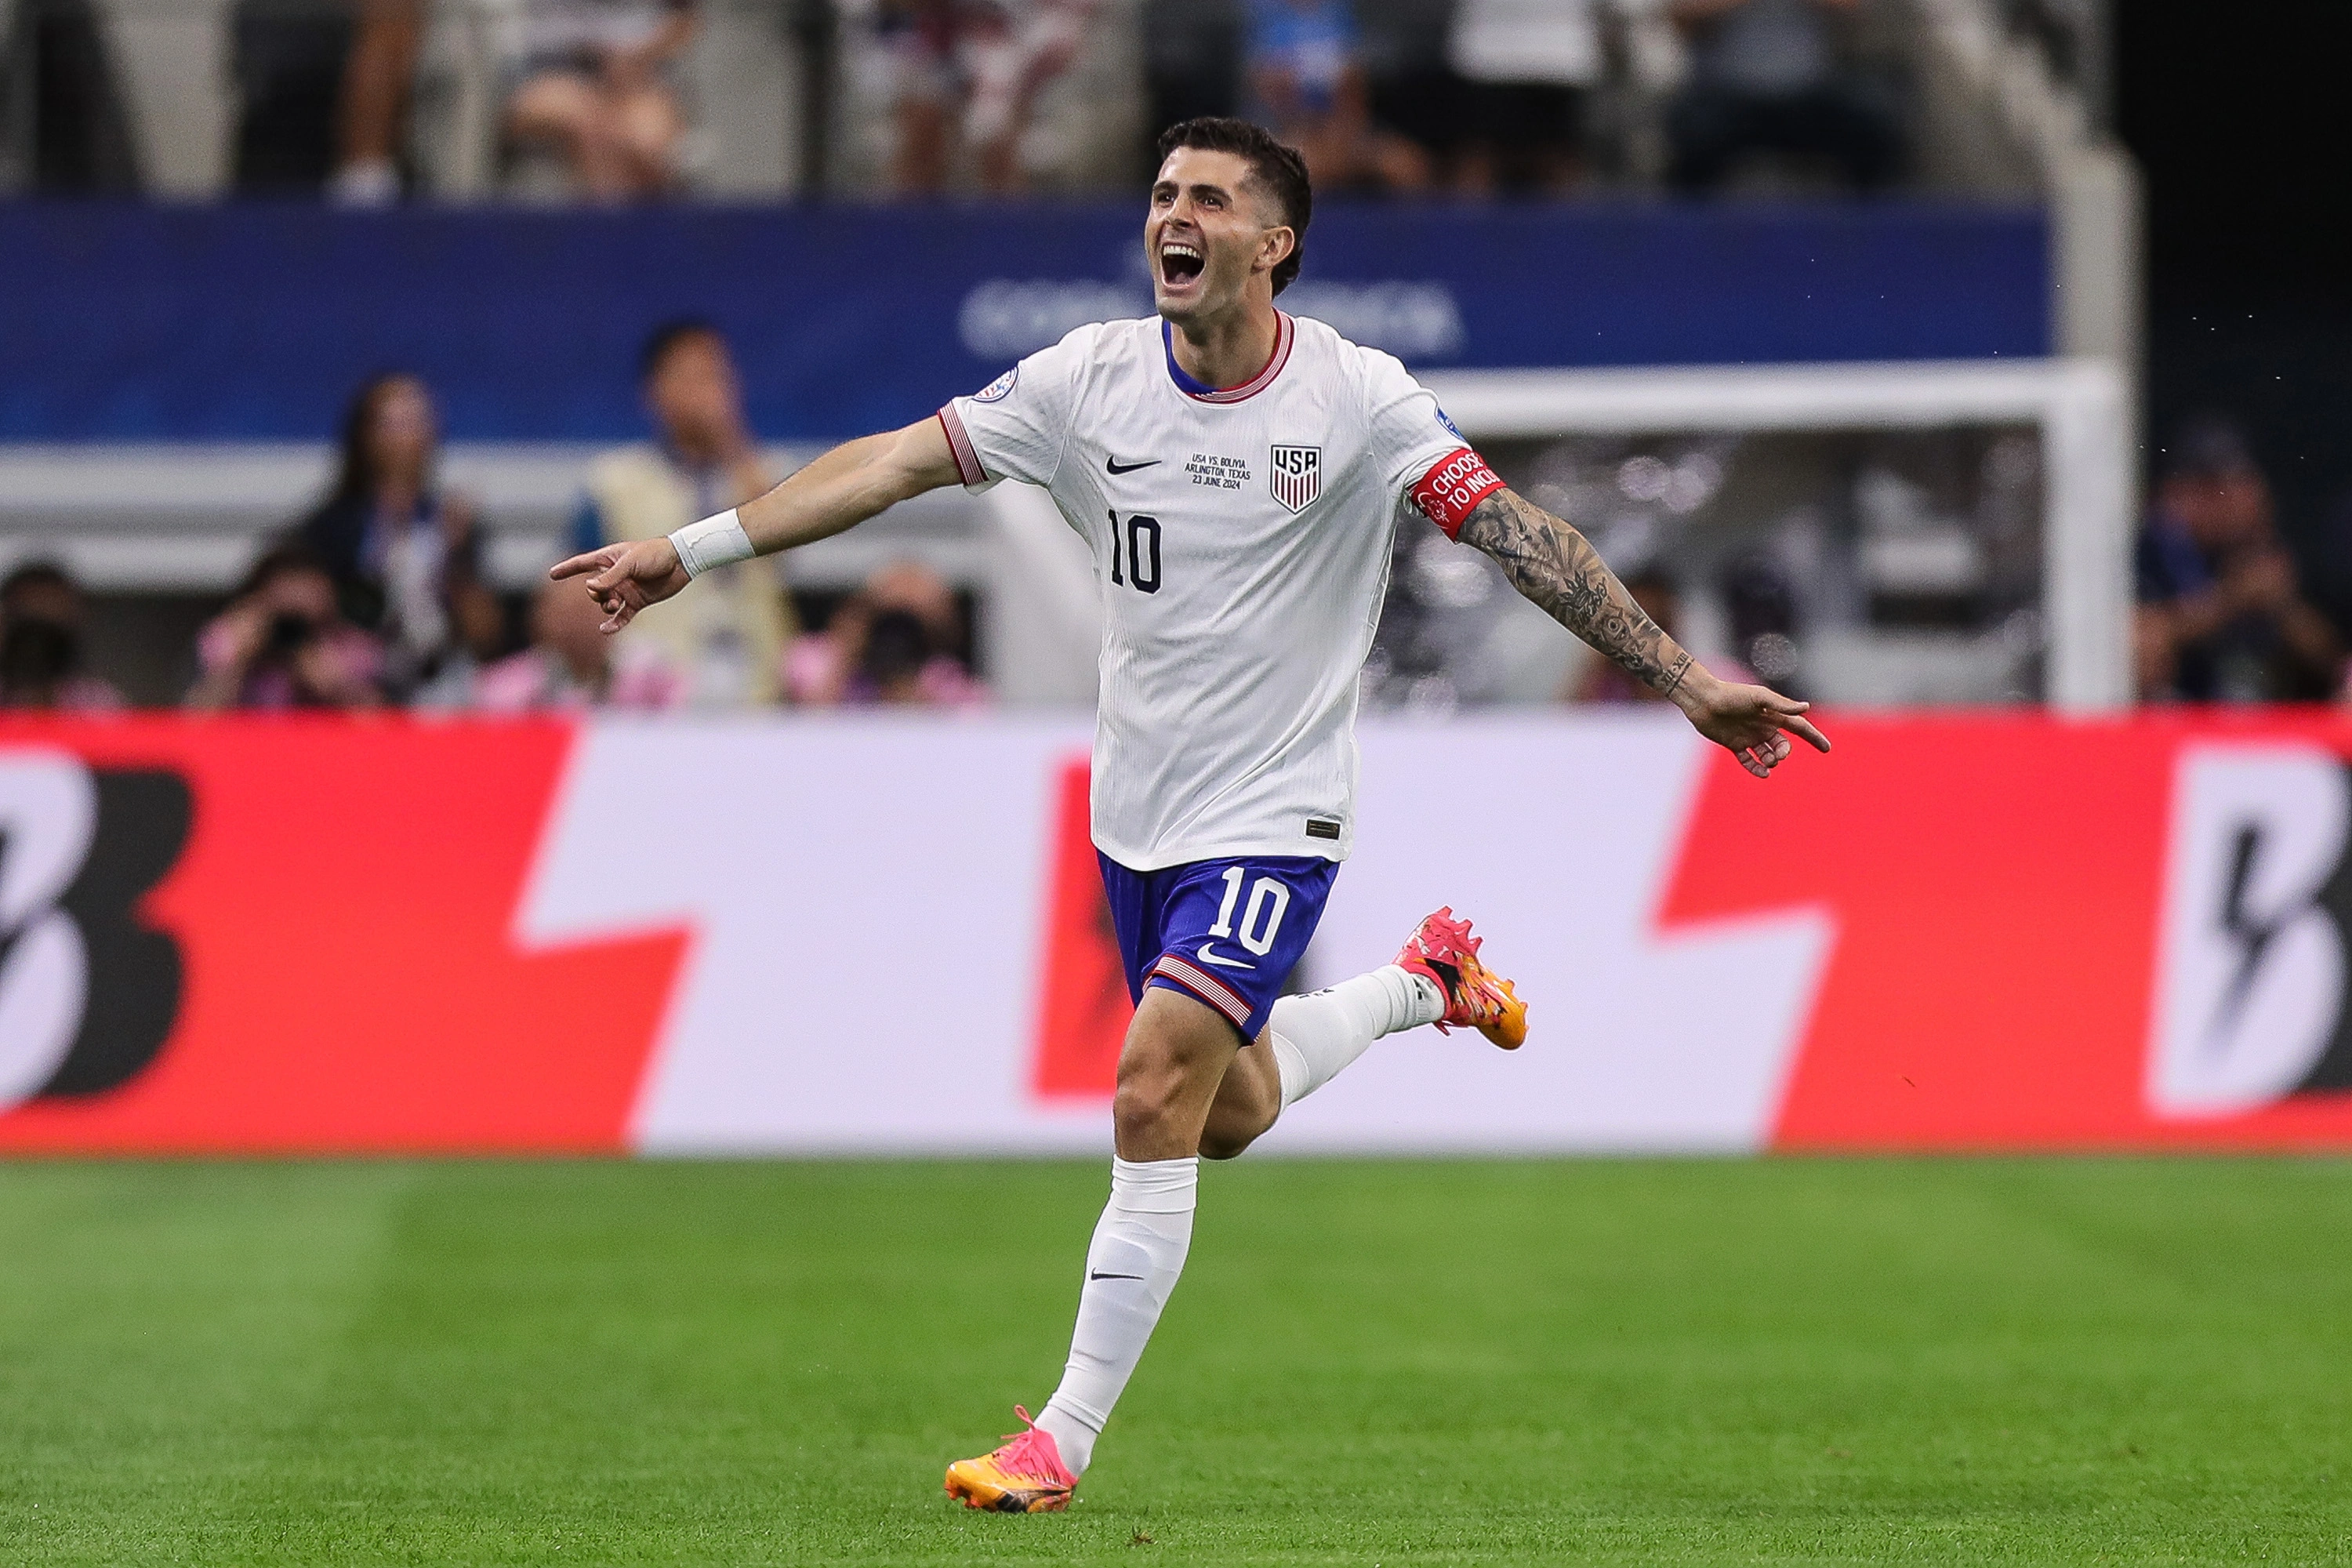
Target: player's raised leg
{"points": [[1436, 979]]}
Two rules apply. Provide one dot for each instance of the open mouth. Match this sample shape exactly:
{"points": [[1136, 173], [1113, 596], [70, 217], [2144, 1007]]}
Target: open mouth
{"points": [[1179, 263]]}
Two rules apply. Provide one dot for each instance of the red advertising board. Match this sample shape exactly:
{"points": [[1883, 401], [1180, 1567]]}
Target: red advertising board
{"points": [[336, 924], [2002, 932]]}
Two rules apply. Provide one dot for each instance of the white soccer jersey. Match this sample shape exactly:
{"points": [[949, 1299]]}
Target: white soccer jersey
{"points": [[1241, 542]]}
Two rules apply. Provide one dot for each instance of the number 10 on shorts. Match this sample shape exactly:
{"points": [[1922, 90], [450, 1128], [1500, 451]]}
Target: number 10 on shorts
{"points": [[1268, 901]]}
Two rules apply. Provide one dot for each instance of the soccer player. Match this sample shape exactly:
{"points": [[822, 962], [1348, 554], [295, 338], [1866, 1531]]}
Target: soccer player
{"points": [[1237, 473]]}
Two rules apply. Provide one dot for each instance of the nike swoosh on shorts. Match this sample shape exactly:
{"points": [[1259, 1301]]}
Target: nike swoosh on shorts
{"points": [[1208, 957]]}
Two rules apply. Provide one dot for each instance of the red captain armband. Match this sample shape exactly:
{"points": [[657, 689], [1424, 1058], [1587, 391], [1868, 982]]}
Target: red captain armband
{"points": [[1453, 488]]}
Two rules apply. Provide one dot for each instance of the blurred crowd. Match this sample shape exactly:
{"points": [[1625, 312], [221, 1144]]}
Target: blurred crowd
{"points": [[1907, 573], [1485, 96], [2225, 613], [377, 598], [601, 100]]}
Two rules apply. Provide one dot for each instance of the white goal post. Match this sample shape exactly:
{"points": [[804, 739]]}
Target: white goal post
{"points": [[2080, 406]]}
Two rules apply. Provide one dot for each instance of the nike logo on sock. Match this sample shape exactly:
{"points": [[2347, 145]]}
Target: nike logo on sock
{"points": [[1114, 1275], [1115, 467], [1208, 957]]}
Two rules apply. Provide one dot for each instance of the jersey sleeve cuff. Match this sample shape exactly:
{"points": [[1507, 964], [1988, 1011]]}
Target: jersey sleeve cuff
{"points": [[967, 457], [1453, 488]]}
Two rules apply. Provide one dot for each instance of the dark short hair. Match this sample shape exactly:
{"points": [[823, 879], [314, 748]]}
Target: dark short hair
{"points": [[665, 339], [1279, 169]]}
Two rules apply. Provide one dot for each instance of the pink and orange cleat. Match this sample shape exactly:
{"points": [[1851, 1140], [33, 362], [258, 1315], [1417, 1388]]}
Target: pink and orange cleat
{"points": [[1475, 996], [1025, 1476]]}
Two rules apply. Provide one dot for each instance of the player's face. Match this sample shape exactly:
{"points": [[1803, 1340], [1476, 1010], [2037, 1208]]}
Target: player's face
{"points": [[1209, 231]]}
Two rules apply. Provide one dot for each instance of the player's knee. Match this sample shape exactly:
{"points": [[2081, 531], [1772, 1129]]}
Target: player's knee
{"points": [[1146, 1104]]}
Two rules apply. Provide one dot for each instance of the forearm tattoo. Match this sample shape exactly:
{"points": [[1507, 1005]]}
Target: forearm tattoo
{"points": [[1559, 571]]}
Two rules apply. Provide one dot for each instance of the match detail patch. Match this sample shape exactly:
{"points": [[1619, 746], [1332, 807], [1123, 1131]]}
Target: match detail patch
{"points": [[1453, 488]]}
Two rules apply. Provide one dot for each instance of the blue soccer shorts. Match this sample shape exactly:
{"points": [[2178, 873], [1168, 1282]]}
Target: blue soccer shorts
{"points": [[1226, 934]]}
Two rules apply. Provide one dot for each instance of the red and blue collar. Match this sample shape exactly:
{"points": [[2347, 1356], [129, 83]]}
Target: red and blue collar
{"points": [[1200, 392]]}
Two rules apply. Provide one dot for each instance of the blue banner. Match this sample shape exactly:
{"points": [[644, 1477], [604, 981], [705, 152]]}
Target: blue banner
{"points": [[245, 322]]}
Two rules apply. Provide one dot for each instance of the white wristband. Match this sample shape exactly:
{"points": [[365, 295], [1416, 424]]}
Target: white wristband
{"points": [[714, 541]]}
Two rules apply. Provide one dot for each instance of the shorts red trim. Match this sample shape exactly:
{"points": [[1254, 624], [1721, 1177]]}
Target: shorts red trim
{"points": [[1206, 987]]}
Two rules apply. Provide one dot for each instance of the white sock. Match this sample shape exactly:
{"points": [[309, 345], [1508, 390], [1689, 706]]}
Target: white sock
{"points": [[1131, 1269], [1317, 1034]]}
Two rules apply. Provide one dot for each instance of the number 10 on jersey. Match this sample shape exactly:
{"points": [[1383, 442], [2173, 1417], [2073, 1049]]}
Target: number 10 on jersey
{"points": [[1140, 538]]}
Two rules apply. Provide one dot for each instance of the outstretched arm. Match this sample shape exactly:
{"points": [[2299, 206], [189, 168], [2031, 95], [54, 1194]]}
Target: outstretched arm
{"points": [[839, 490], [1558, 570]]}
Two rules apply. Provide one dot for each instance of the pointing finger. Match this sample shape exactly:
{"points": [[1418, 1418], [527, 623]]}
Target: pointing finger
{"points": [[574, 567], [1797, 725]]}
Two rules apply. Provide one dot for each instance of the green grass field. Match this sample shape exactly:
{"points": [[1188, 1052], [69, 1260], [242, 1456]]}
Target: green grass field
{"points": [[1652, 1362]]}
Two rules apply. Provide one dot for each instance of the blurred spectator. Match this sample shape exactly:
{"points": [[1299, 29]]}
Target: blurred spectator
{"points": [[1765, 77], [592, 82], [1529, 64], [41, 620], [377, 75], [888, 643], [1412, 90], [2220, 617], [970, 71], [404, 555], [2327, 557], [289, 61], [283, 643], [726, 632], [1192, 60], [67, 120], [1307, 80], [570, 664], [1761, 608]]}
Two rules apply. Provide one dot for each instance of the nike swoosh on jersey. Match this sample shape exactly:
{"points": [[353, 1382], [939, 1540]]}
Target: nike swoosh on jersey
{"points": [[1114, 1275], [1115, 467], [1208, 957]]}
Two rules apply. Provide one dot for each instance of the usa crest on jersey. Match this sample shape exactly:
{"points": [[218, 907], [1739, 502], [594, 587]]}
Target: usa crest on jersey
{"points": [[1294, 473]]}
